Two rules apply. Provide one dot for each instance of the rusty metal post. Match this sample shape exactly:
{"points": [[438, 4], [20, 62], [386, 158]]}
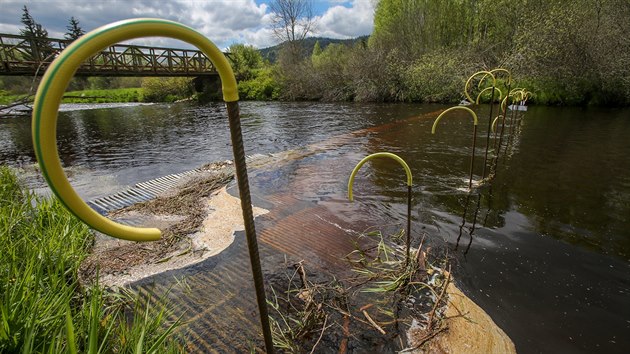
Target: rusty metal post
{"points": [[408, 223], [248, 218], [485, 159], [472, 157], [497, 149]]}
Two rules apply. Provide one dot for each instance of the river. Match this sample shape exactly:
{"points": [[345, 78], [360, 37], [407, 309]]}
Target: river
{"points": [[545, 249]]}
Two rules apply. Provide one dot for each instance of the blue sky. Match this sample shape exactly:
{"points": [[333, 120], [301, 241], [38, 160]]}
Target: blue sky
{"points": [[223, 21]]}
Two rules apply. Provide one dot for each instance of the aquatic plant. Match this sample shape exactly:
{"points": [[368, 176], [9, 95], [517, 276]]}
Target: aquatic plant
{"points": [[409, 185], [313, 311], [475, 121]]}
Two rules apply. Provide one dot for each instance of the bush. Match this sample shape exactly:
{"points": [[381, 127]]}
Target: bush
{"points": [[263, 87], [157, 89], [438, 76]]}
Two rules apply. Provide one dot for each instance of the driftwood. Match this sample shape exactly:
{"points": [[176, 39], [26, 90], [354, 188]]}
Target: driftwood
{"points": [[7, 111]]}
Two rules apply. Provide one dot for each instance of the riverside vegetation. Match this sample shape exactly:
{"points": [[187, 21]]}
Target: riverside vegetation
{"points": [[566, 53], [43, 306]]}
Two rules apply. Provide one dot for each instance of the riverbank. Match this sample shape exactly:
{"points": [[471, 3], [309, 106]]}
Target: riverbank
{"points": [[44, 307], [198, 218]]}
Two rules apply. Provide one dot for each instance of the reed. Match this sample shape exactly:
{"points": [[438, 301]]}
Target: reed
{"points": [[43, 307]]}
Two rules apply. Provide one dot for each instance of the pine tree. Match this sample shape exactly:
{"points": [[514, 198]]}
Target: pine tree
{"points": [[74, 30], [29, 23], [38, 35]]}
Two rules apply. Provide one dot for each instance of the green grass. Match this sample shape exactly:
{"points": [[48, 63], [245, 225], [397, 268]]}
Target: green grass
{"points": [[104, 96], [43, 308], [6, 97]]}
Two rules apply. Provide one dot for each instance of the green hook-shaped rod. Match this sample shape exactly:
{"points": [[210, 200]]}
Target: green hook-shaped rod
{"points": [[489, 89], [509, 74], [512, 96], [472, 113], [45, 112], [475, 121], [494, 122], [409, 185], [485, 74]]}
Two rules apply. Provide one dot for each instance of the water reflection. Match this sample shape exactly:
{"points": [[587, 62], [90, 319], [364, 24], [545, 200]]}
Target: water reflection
{"points": [[471, 229]]}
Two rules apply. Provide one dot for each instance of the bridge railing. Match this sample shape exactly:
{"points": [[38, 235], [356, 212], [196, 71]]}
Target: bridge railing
{"points": [[22, 55]]}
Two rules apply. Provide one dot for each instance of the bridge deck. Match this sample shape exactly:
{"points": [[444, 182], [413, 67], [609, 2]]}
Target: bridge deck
{"points": [[25, 56]]}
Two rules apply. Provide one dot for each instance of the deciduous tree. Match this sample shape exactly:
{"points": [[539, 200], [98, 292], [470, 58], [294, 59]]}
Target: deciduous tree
{"points": [[292, 21]]}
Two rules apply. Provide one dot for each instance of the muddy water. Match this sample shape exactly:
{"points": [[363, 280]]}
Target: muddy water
{"points": [[544, 249]]}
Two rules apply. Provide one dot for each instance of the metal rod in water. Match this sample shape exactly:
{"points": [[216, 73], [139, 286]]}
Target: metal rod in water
{"points": [[485, 159], [497, 149], [408, 223], [248, 219], [409, 184], [472, 157], [475, 120]]}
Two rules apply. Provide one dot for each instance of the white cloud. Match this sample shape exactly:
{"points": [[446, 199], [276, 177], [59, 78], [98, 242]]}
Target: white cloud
{"points": [[223, 21], [347, 22]]}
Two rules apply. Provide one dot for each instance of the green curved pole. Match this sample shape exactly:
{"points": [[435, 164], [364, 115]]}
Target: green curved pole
{"points": [[485, 74], [469, 81], [488, 89], [517, 95], [494, 71], [494, 123], [409, 185], [509, 74], [497, 149], [474, 143], [50, 92]]}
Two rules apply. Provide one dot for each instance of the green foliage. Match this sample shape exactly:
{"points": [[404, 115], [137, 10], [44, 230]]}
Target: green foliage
{"points": [[106, 82], [575, 53], [438, 76], [263, 86], [271, 54], [7, 98], [157, 89], [42, 306], [104, 96], [244, 59]]}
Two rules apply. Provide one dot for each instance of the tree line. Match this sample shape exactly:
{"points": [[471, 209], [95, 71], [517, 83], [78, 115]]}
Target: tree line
{"points": [[566, 53]]}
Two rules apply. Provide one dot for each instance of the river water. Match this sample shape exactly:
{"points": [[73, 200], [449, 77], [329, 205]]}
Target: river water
{"points": [[544, 248]]}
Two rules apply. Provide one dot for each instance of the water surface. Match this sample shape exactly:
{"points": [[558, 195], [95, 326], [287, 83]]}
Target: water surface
{"points": [[545, 248]]}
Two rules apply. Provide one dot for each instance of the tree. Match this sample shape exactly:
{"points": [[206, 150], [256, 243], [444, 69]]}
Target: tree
{"points": [[74, 29], [244, 59], [292, 21], [37, 35]]}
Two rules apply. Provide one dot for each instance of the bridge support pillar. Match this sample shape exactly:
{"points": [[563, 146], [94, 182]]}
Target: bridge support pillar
{"points": [[209, 88]]}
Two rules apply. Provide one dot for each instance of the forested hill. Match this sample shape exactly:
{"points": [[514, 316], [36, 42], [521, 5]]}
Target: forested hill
{"points": [[307, 44]]}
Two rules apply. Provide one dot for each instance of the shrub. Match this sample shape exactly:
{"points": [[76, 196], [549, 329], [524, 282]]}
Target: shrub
{"points": [[157, 89], [262, 87]]}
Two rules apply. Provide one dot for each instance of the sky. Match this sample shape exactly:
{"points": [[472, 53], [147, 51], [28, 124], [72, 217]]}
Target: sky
{"points": [[224, 22]]}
